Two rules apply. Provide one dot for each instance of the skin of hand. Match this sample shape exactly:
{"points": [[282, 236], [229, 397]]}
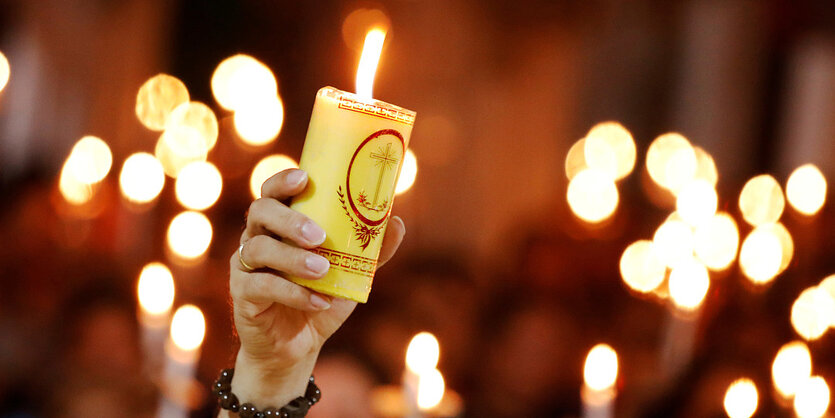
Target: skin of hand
{"points": [[281, 325]]}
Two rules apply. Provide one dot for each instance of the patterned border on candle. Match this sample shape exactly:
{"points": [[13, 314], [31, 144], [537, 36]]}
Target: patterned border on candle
{"points": [[348, 103], [348, 262]]}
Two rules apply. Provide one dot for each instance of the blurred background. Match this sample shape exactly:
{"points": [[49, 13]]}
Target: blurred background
{"points": [[692, 256]]}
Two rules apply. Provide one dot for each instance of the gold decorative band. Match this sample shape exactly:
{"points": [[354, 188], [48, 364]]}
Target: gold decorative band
{"points": [[348, 262], [374, 110]]}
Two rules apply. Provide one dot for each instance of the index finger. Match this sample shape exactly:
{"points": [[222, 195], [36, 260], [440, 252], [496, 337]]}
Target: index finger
{"points": [[284, 184]]}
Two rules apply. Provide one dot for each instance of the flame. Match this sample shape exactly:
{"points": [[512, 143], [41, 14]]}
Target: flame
{"points": [[188, 327], [423, 353], [430, 390], [369, 59], [155, 289], [601, 368]]}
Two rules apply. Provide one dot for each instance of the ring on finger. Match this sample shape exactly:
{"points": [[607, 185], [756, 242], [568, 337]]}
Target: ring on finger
{"points": [[246, 266]]}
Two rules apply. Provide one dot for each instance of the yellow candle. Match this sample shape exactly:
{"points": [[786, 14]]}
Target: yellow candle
{"points": [[353, 153]]}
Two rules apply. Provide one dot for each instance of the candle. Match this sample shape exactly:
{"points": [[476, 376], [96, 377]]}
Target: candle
{"points": [[188, 327], [155, 291], [599, 374], [421, 358], [353, 153]]}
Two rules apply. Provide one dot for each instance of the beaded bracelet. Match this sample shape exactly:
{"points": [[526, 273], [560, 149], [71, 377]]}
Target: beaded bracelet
{"points": [[297, 408]]}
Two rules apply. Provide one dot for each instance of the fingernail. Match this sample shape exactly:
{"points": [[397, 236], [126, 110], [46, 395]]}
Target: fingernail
{"points": [[317, 264], [319, 302], [313, 233], [295, 177], [403, 224]]}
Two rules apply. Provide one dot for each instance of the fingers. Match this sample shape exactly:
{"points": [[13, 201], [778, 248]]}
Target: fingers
{"points": [[395, 232], [265, 287], [284, 184], [269, 216], [262, 251]]}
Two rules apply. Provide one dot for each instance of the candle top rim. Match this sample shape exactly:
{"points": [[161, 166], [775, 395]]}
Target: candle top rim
{"points": [[335, 94]]}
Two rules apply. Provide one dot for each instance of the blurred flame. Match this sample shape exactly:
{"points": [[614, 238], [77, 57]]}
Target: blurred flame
{"points": [[258, 123], [688, 284], [197, 116], [673, 242], [575, 160], [266, 168], [761, 200], [705, 167], [812, 398], [408, 173], [741, 398], [189, 234], [90, 160], [792, 366], [812, 313], [199, 185], [157, 98], [761, 255], [592, 195], [241, 80], [430, 389], [671, 161], [806, 189], [423, 353], [188, 327], [179, 146], [786, 243], [609, 147], [5, 71], [641, 268], [696, 202], [367, 67], [716, 241], [155, 289], [601, 368], [828, 284], [142, 178], [74, 191]]}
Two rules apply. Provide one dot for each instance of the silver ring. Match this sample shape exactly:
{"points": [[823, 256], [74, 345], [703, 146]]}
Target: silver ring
{"points": [[246, 266]]}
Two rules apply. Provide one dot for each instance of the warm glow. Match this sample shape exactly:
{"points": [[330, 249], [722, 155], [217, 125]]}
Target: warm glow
{"points": [[142, 178], [806, 189], [786, 243], [90, 160], [575, 160], [266, 168], [741, 399], [761, 200], [688, 284], [241, 80], [157, 98], [198, 186], [601, 369], [408, 173], [367, 67], [640, 267], [155, 289], [761, 255], [705, 167], [359, 22], [430, 390], [189, 234], [258, 123], [812, 398], [716, 241], [188, 327], [671, 161], [812, 313], [423, 353], [609, 147], [792, 366], [179, 146], [73, 191], [199, 117], [828, 284], [5, 71], [673, 242], [696, 202], [592, 195]]}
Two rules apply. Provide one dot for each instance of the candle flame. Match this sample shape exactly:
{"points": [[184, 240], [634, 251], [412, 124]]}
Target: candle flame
{"points": [[369, 59], [423, 353], [430, 390], [601, 368], [188, 327]]}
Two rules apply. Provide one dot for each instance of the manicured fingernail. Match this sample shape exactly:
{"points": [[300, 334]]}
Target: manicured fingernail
{"points": [[317, 264], [319, 302], [295, 177], [403, 224], [313, 233]]}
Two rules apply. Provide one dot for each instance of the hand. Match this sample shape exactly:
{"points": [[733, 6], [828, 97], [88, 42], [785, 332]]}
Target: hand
{"points": [[282, 325]]}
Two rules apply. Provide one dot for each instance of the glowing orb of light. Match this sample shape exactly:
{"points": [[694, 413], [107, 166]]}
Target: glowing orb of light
{"points": [[688, 283], [600, 370], [761, 200], [671, 161], [178, 146], [5, 71], [610, 147], [266, 168], [198, 186], [142, 178], [258, 123], [90, 160], [812, 313], [673, 241], [741, 399], [705, 167], [806, 189], [640, 267], [189, 234], [74, 192], [359, 22], [786, 243], [812, 398], [155, 288], [761, 255], [792, 366], [592, 195], [828, 284], [242, 79], [197, 116], [408, 173], [188, 327], [716, 241], [696, 202], [423, 353], [157, 98], [430, 390], [575, 160]]}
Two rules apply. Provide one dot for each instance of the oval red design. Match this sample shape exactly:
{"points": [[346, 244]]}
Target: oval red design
{"points": [[354, 208]]}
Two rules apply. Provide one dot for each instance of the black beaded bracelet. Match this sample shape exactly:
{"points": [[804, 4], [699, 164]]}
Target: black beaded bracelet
{"points": [[297, 408]]}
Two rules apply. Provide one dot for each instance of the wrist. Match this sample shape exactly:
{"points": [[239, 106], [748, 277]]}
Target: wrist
{"points": [[266, 384]]}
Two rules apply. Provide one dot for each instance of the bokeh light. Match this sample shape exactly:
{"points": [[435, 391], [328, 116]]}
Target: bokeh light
{"points": [[792, 366], [155, 288], [198, 186], [258, 123], [430, 390], [688, 284], [575, 160], [359, 22], [90, 160], [716, 241], [179, 146], [806, 189], [241, 80], [812, 398], [696, 202], [592, 195], [600, 370], [673, 241], [189, 234], [812, 313], [705, 166], [74, 191], [142, 178], [761, 255], [367, 67], [641, 268], [671, 161], [423, 353], [188, 327], [609, 147], [157, 98], [761, 200], [786, 243], [741, 399], [5, 71], [828, 284], [266, 168], [197, 116], [408, 173]]}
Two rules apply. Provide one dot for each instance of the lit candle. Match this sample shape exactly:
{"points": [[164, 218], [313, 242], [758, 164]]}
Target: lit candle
{"points": [[353, 152], [421, 359], [188, 327], [599, 375], [155, 291]]}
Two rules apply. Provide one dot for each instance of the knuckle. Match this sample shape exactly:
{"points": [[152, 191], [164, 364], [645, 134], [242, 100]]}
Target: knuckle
{"points": [[255, 248]]}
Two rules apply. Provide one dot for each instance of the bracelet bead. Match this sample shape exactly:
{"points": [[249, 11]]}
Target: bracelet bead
{"points": [[297, 408], [247, 410]]}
